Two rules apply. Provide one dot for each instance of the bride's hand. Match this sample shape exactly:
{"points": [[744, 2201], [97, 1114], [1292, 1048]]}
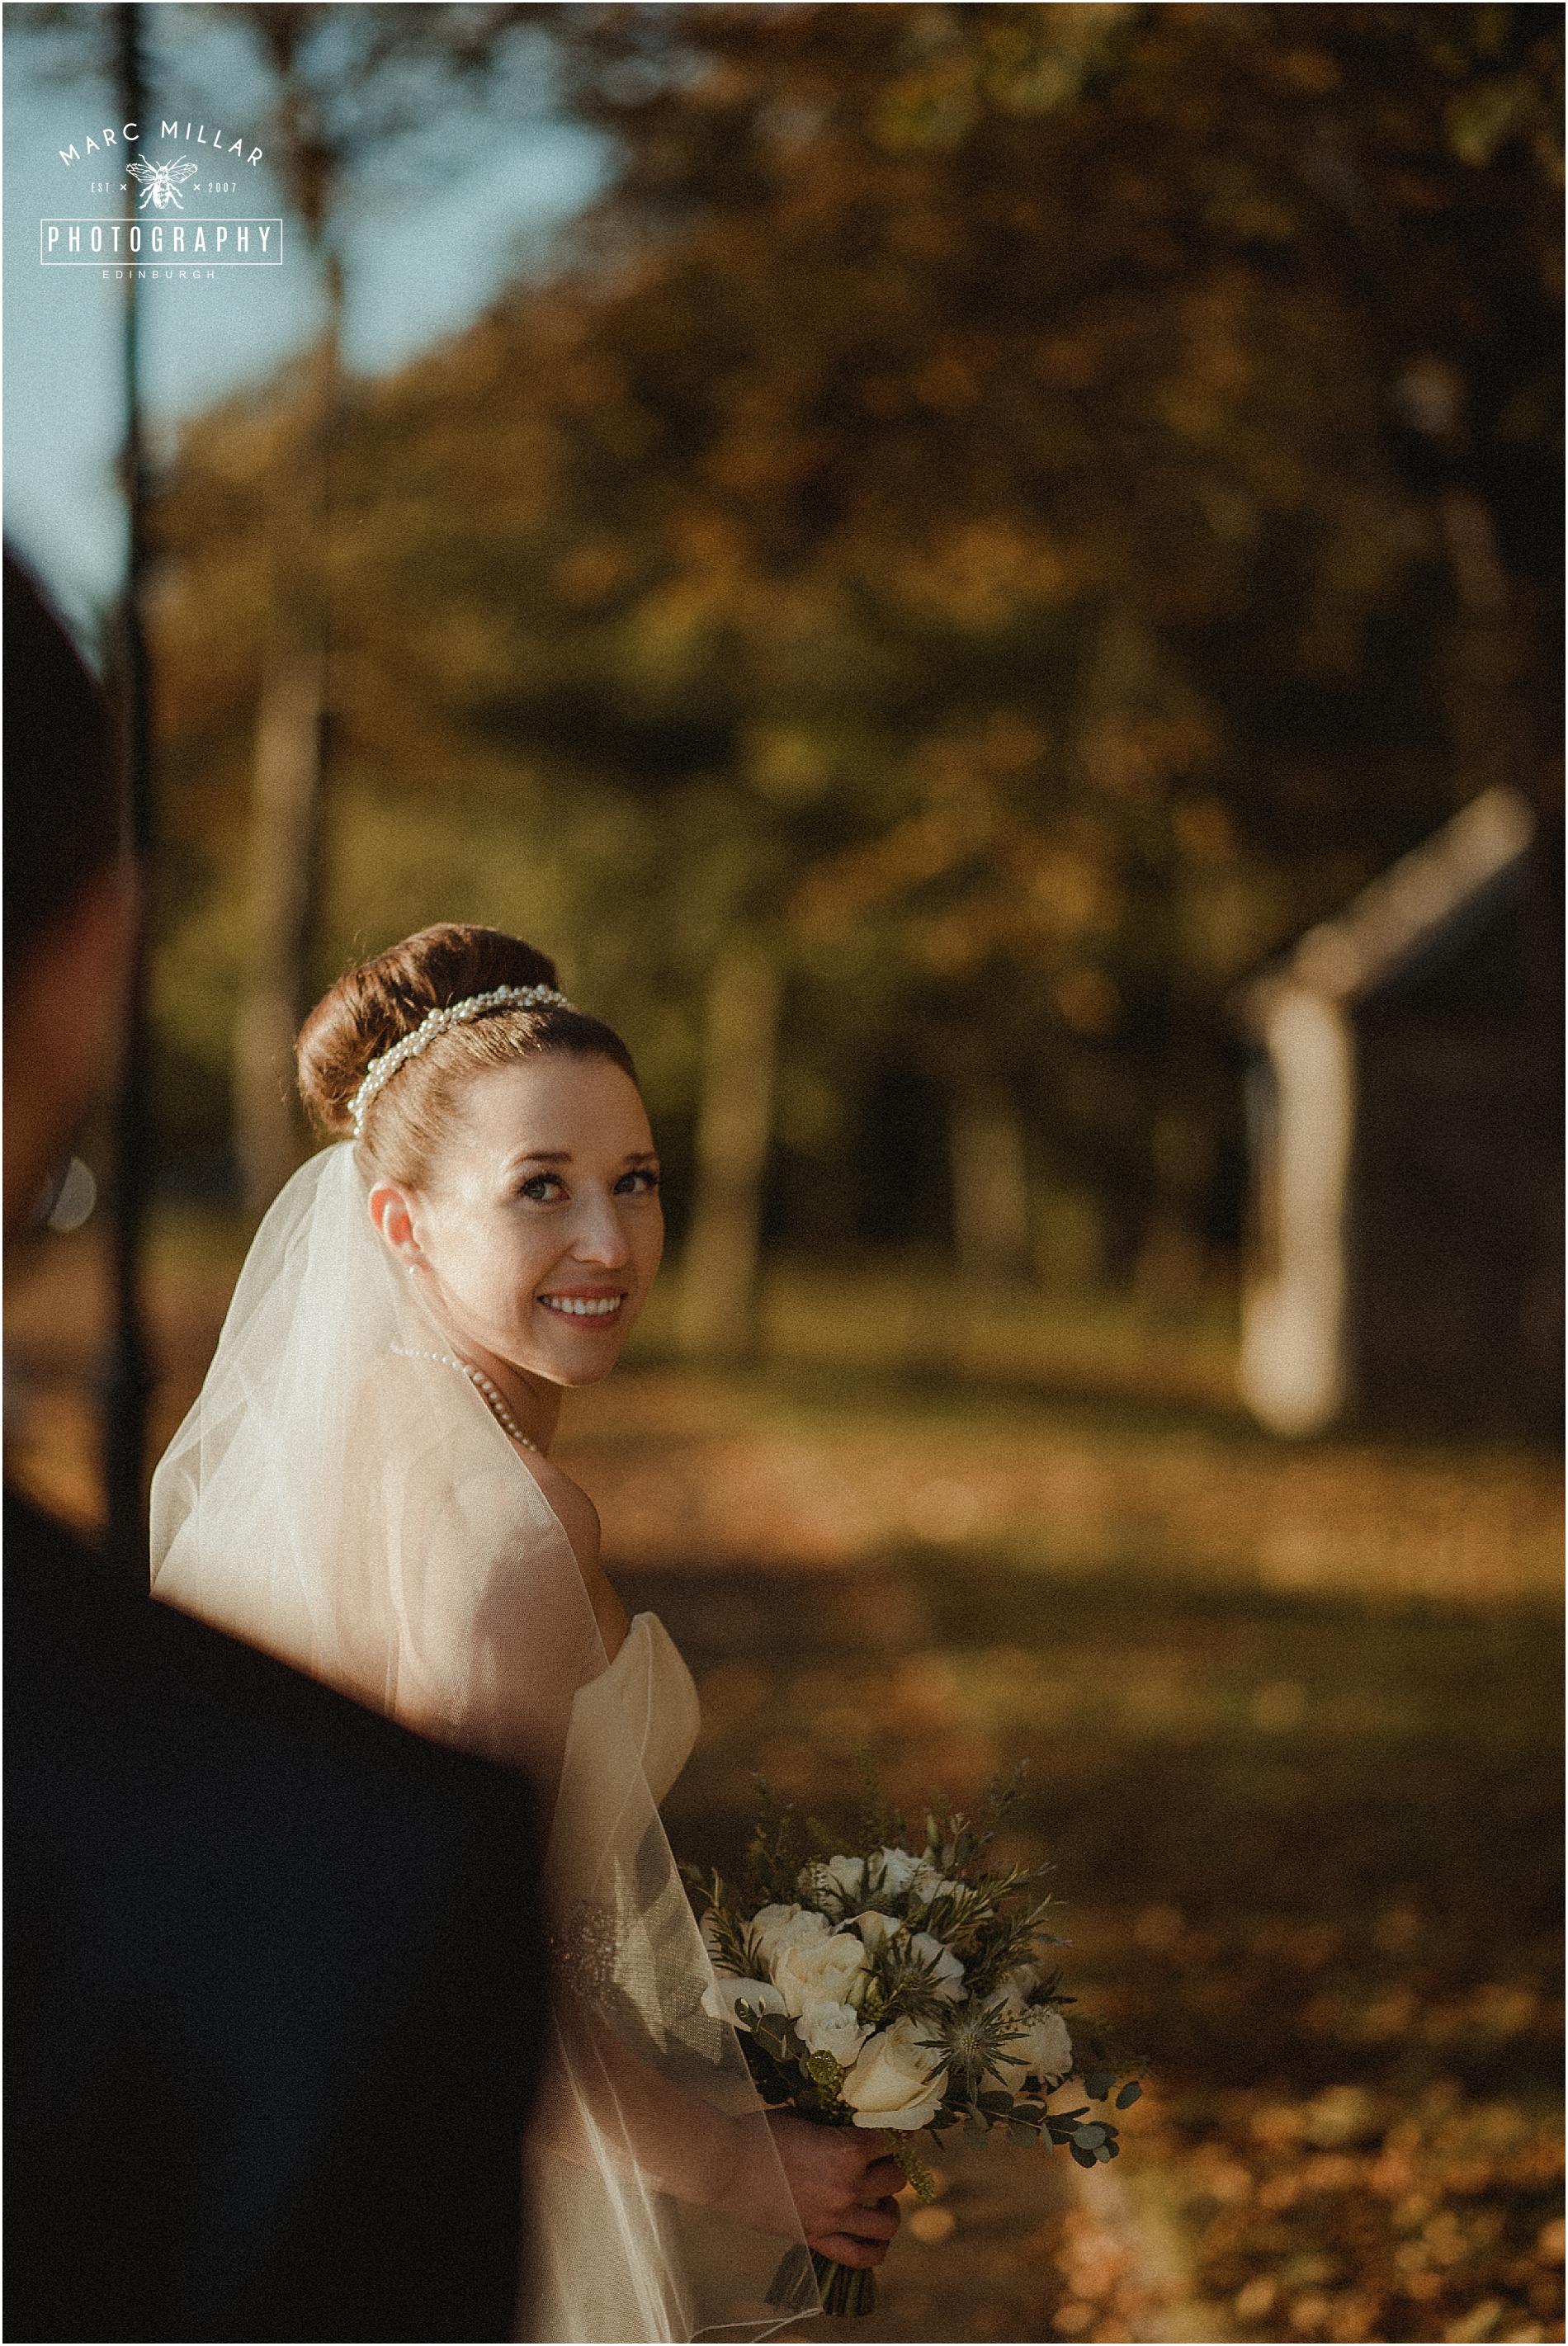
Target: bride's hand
{"points": [[843, 2187]]}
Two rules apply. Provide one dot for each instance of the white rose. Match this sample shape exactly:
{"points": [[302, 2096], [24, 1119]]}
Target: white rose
{"points": [[776, 1926], [931, 1885], [720, 1999], [892, 1870], [842, 1879], [893, 2083], [876, 1928], [818, 1969], [834, 2028], [1042, 2048], [946, 1971]]}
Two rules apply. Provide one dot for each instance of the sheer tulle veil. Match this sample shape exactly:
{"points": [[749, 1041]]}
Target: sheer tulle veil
{"points": [[351, 1505]]}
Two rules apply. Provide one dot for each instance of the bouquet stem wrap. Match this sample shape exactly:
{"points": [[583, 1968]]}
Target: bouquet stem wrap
{"points": [[845, 2288]]}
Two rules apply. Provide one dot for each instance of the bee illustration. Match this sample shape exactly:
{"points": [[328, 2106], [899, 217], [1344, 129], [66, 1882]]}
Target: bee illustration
{"points": [[163, 180]]}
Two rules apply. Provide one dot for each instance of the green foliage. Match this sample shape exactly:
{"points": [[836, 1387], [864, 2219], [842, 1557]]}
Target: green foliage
{"points": [[728, 1938], [773, 1859], [915, 2171], [826, 2075], [1090, 2143], [775, 2081], [877, 1825]]}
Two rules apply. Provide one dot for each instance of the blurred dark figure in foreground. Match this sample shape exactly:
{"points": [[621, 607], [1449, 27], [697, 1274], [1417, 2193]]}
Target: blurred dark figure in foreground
{"points": [[274, 1963]]}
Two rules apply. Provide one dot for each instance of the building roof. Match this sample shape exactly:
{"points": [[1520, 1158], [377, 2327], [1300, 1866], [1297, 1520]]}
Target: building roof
{"points": [[1397, 915]]}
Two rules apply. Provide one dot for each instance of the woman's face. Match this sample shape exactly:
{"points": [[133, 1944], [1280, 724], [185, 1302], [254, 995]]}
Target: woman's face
{"points": [[539, 1235]]}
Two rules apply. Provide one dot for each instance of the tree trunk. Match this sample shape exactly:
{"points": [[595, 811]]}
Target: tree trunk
{"points": [[285, 815], [1487, 713], [990, 1183], [718, 1272], [130, 1377], [284, 819]]}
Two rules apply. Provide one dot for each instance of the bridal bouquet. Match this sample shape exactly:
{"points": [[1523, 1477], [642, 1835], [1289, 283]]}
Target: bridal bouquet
{"points": [[901, 1988]]}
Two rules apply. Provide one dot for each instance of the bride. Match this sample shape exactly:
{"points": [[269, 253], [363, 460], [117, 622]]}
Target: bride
{"points": [[363, 1487]]}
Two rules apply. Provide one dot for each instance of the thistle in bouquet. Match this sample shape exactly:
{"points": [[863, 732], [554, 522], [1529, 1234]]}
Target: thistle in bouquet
{"points": [[904, 1987]]}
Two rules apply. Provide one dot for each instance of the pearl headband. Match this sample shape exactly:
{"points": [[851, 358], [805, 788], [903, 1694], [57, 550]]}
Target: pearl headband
{"points": [[457, 1014]]}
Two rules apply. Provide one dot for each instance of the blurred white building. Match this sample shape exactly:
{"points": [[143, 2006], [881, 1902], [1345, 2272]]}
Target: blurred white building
{"points": [[1405, 1150]]}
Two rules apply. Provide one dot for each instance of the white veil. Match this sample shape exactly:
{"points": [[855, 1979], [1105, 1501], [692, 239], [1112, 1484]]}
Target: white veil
{"points": [[352, 1506]]}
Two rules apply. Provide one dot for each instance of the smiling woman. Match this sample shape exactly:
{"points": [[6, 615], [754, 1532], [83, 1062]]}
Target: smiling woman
{"points": [[511, 1172], [363, 1487], [538, 1231]]}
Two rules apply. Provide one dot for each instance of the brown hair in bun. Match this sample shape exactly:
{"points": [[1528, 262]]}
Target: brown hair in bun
{"points": [[375, 1005]]}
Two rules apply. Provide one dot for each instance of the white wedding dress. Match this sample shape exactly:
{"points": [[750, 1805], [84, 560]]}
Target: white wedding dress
{"points": [[346, 1500]]}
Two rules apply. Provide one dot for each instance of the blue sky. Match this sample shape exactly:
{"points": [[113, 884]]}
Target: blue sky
{"points": [[433, 225]]}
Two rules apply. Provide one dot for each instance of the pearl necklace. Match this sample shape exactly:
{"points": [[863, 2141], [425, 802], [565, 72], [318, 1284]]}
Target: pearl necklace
{"points": [[482, 1384]]}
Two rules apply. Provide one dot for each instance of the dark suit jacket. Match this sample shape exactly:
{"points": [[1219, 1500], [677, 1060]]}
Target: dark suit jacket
{"points": [[274, 1989]]}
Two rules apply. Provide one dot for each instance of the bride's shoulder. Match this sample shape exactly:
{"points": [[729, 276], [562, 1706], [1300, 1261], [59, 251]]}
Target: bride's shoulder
{"points": [[578, 1516], [579, 1519]]}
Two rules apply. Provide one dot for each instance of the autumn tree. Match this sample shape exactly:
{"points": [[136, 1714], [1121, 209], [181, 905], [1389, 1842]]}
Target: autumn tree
{"points": [[978, 314], [962, 558], [345, 83]]}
